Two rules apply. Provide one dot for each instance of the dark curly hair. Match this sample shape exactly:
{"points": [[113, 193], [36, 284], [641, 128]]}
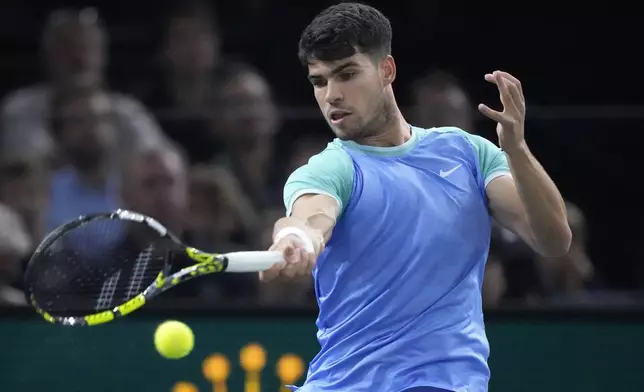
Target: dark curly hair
{"points": [[343, 30]]}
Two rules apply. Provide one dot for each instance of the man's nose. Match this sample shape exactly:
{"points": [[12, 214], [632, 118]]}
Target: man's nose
{"points": [[333, 93]]}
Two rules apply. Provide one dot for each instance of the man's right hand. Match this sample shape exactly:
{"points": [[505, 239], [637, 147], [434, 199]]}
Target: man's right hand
{"points": [[298, 261], [314, 216]]}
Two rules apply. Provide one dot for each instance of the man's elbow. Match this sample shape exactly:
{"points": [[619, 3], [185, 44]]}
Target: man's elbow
{"points": [[556, 243]]}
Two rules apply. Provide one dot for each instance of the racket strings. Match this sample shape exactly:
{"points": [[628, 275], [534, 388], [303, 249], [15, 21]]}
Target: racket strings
{"points": [[96, 266], [139, 271]]}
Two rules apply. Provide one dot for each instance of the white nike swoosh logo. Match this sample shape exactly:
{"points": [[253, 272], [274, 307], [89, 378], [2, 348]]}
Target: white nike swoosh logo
{"points": [[450, 171]]}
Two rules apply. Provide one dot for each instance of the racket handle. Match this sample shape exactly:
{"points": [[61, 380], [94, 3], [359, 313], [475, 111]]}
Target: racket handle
{"points": [[252, 261]]}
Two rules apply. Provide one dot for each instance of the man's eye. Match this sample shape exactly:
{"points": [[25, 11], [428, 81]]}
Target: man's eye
{"points": [[318, 82], [347, 76]]}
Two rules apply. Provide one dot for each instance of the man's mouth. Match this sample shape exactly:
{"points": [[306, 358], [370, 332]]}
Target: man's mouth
{"points": [[337, 117]]}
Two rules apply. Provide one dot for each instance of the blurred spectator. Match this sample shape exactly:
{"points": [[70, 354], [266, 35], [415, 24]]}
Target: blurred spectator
{"points": [[183, 91], [439, 100], [15, 244], [221, 216], [24, 187], [494, 284], [74, 44], [568, 275], [246, 120], [221, 220], [531, 278], [267, 223], [192, 57], [87, 180], [522, 278], [154, 183], [304, 147]]}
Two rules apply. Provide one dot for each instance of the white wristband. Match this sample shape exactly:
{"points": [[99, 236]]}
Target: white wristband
{"points": [[299, 233]]}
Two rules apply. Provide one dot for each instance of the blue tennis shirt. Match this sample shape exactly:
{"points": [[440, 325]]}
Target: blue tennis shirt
{"points": [[399, 283]]}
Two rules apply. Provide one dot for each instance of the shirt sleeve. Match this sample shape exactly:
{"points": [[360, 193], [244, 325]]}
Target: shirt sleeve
{"points": [[328, 173], [492, 160]]}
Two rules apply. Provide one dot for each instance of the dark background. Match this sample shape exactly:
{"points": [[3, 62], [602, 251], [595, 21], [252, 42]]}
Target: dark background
{"points": [[581, 75]]}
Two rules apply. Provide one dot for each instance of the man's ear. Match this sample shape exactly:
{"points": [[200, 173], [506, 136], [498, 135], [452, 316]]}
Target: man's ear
{"points": [[388, 66]]}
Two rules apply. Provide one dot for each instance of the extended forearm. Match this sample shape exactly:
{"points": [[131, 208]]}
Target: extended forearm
{"points": [[313, 214], [544, 205]]}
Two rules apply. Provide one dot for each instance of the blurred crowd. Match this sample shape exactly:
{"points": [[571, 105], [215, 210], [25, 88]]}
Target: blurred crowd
{"points": [[193, 145]]}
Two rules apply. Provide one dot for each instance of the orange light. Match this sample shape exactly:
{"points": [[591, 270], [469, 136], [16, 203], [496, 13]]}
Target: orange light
{"points": [[252, 357], [216, 368], [184, 386], [290, 368]]}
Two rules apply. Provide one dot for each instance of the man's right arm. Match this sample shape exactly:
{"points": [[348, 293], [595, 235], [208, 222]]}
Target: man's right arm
{"points": [[315, 196], [315, 214]]}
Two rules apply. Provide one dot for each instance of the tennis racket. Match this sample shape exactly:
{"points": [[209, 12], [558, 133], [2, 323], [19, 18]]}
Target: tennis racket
{"points": [[100, 267]]}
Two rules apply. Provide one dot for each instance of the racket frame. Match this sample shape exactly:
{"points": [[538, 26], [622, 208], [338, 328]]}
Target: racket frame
{"points": [[204, 264]]}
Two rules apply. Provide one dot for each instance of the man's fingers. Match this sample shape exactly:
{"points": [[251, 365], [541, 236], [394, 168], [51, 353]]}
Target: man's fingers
{"points": [[300, 264], [514, 80], [517, 97], [289, 271], [508, 85], [304, 259], [490, 77], [311, 264], [294, 262], [298, 261], [512, 87], [290, 254], [270, 274], [507, 99], [309, 269], [491, 114], [307, 259]]}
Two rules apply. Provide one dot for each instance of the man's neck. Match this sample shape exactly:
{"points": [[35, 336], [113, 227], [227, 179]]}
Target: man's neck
{"points": [[395, 133]]}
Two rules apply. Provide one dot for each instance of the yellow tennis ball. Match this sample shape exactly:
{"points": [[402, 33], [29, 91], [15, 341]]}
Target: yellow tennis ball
{"points": [[173, 339]]}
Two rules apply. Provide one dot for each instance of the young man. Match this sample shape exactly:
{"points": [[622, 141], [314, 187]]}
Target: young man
{"points": [[394, 220]]}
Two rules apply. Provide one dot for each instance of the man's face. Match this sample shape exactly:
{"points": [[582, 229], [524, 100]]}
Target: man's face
{"points": [[351, 94], [157, 187], [87, 133], [210, 211], [76, 55], [192, 47], [247, 112]]}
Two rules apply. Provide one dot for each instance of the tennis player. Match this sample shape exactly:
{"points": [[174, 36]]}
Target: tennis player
{"points": [[394, 220]]}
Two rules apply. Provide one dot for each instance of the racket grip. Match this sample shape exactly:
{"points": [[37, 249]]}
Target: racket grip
{"points": [[254, 261]]}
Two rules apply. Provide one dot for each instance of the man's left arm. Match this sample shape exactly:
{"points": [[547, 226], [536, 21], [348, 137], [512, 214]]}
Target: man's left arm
{"points": [[528, 203]]}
